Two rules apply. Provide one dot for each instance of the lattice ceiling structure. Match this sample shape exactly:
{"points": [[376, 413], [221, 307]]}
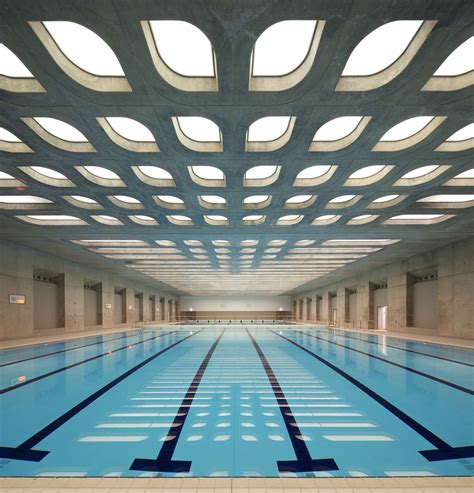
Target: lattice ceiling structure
{"points": [[227, 147]]}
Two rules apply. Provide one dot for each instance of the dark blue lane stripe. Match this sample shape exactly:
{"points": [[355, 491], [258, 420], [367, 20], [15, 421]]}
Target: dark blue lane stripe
{"points": [[24, 451], [137, 332], [82, 362], [341, 334], [304, 462], [164, 461], [403, 367], [443, 450]]}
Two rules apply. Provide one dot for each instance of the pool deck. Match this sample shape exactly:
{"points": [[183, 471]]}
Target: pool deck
{"points": [[61, 336], [239, 485]]}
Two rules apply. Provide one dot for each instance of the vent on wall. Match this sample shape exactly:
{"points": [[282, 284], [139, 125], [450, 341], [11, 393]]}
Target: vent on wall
{"points": [[41, 278], [427, 277], [380, 286]]}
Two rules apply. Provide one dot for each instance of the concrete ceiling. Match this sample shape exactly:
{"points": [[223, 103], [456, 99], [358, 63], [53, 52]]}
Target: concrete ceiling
{"points": [[151, 93]]}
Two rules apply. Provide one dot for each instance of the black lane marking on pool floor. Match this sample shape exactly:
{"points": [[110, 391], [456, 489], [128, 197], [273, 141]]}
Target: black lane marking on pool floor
{"points": [[443, 450], [73, 348], [393, 363], [82, 362], [164, 461], [25, 451], [339, 334], [304, 462]]}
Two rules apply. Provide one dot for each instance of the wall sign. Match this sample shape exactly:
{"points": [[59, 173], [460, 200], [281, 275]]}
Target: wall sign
{"points": [[17, 299], [108, 305]]}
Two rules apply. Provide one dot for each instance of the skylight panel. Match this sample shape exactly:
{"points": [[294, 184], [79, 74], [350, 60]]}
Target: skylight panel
{"points": [[337, 128], [127, 199], [256, 199], [367, 172], [193, 242], [184, 48], [23, 199], [341, 199], [208, 172], [6, 176], [416, 173], [84, 48], [61, 130], [313, 172], [325, 217], [199, 129], [165, 243], [386, 198], [101, 172], [298, 199], [155, 172], [407, 128], [130, 129], [81, 198], [260, 172], [11, 65], [447, 198], [380, 48], [464, 133], [7, 136], [282, 47], [466, 174], [460, 61], [170, 199], [215, 217], [417, 217], [213, 199], [180, 218], [141, 217], [57, 217], [49, 173], [268, 128], [253, 217]]}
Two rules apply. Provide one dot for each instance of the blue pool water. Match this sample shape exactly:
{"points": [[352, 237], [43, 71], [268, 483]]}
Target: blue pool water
{"points": [[224, 400]]}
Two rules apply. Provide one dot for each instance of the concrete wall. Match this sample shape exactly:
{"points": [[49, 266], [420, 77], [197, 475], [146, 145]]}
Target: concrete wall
{"points": [[441, 306], [236, 304], [17, 267], [91, 313]]}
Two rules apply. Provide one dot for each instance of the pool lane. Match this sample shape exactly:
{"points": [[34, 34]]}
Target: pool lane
{"points": [[25, 452], [399, 364], [31, 380], [10, 357], [442, 449]]}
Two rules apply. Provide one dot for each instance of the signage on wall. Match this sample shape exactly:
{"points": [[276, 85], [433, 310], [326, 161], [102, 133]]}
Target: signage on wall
{"points": [[108, 305], [17, 299]]}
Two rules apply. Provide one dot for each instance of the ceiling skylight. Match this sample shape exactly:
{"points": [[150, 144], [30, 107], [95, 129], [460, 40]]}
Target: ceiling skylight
{"points": [[337, 128], [126, 199], [313, 172], [23, 199], [213, 199], [199, 129], [298, 199], [155, 172], [49, 173], [11, 65], [341, 199], [381, 48], [268, 128], [81, 198], [367, 172], [460, 61], [57, 217], [282, 47], [184, 48], [463, 133], [406, 128], [256, 199], [7, 136], [101, 172], [385, 198], [165, 243], [61, 130], [208, 172], [130, 129], [5, 176], [416, 173], [170, 199], [447, 198], [260, 172], [84, 48]]}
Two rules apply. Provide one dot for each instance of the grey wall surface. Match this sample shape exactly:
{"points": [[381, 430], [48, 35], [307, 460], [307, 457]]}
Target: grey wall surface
{"points": [[425, 297], [237, 303], [46, 305]]}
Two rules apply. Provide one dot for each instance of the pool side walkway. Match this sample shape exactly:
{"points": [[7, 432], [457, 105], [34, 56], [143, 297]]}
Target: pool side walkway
{"points": [[239, 485]]}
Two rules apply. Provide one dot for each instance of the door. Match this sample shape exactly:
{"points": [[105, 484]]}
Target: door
{"points": [[382, 317], [334, 315]]}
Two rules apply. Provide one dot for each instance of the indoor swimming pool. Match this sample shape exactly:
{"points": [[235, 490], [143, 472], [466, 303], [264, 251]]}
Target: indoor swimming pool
{"points": [[237, 400]]}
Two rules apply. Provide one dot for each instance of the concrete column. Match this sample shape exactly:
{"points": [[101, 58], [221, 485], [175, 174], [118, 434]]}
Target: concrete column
{"points": [[326, 306], [400, 301], [72, 283], [365, 305], [304, 309], [129, 305], [342, 305], [107, 304]]}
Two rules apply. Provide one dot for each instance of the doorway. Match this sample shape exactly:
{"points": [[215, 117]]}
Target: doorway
{"points": [[334, 315], [382, 317]]}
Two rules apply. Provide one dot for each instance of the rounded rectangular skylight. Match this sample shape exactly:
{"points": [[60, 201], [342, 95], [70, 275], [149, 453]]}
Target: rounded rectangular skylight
{"points": [[268, 128], [11, 65], [60, 129], [23, 199], [50, 173], [199, 129], [406, 128]]}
